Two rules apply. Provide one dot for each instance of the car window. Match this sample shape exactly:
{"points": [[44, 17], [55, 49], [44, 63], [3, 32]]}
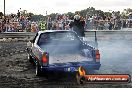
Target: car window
{"points": [[57, 37]]}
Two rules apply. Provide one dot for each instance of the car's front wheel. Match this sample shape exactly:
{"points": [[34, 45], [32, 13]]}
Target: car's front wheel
{"points": [[38, 70], [31, 59]]}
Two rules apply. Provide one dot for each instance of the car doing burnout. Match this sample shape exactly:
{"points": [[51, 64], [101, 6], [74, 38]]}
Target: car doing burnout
{"points": [[62, 51]]}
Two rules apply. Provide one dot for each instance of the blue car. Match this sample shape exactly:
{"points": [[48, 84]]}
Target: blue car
{"points": [[62, 51]]}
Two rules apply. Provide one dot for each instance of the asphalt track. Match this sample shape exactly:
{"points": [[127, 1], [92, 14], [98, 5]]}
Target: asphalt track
{"points": [[17, 72]]}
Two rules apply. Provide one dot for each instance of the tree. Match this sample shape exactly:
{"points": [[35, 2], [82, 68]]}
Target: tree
{"points": [[38, 17], [53, 16], [70, 14], [24, 12], [128, 11], [1, 14], [108, 14]]}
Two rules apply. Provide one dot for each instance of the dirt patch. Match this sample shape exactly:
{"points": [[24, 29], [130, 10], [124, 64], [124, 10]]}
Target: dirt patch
{"points": [[17, 72]]}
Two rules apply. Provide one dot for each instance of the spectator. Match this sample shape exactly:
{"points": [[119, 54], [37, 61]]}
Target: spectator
{"points": [[78, 25], [18, 14], [106, 25], [87, 22]]}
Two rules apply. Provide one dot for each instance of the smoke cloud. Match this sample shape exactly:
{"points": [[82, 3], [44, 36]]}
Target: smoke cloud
{"points": [[64, 47]]}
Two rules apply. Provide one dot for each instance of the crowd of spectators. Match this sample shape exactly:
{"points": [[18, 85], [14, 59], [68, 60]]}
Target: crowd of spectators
{"points": [[107, 23], [20, 23], [115, 22], [17, 23]]}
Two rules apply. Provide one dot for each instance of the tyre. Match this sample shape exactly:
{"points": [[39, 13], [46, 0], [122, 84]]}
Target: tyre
{"points": [[79, 79], [38, 70], [31, 60]]}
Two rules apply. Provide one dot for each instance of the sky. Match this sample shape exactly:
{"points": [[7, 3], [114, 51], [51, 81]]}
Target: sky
{"points": [[62, 6]]}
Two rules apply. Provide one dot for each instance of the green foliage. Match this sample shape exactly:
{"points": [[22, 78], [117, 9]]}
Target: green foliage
{"points": [[1, 14], [53, 16], [128, 10], [108, 14], [70, 14], [89, 11], [38, 17]]}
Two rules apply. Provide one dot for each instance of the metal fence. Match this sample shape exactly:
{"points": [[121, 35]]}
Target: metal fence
{"points": [[101, 35]]}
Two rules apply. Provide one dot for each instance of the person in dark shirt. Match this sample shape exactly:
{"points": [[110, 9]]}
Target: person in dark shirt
{"points": [[18, 14], [78, 25]]}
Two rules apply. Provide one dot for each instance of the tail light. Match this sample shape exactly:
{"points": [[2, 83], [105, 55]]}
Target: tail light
{"points": [[97, 56], [45, 58]]}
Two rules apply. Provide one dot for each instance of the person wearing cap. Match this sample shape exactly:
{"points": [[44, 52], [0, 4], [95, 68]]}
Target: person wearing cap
{"points": [[78, 25]]}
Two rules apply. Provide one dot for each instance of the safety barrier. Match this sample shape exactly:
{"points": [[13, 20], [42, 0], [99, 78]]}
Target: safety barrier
{"points": [[17, 35], [101, 34], [111, 34]]}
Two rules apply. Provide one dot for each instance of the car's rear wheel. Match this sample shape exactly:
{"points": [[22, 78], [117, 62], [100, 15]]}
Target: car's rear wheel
{"points": [[79, 79], [38, 70]]}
